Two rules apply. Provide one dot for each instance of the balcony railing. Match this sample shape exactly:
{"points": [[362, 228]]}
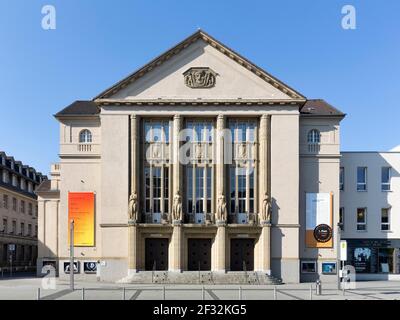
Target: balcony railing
{"points": [[79, 149], [314, 147]]}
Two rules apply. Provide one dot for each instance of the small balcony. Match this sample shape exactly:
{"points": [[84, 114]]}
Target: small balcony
{"points": [[80, 149]]}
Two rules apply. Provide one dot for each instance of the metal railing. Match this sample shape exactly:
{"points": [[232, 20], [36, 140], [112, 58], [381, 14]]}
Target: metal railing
{"points": [[163, 292]]}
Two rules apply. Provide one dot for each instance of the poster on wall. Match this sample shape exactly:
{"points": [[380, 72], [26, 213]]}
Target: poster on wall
{"points": [[362, 259], [81, 210], [319, 220]]}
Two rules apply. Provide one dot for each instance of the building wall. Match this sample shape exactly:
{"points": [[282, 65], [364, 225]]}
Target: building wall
{"points": [[319, 174], [374, 199], [17, 184], [285, 196], [381, 247]]}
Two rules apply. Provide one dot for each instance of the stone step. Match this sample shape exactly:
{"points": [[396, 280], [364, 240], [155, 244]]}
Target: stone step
{"points": [[205, 277]]}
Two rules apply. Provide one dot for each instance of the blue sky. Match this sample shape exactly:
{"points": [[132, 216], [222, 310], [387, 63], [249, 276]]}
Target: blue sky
{"points": [[97, 43]]}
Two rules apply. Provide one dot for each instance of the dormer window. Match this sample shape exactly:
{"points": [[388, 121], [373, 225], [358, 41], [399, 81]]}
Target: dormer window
{"points": [[85, 136], [313, 140]]}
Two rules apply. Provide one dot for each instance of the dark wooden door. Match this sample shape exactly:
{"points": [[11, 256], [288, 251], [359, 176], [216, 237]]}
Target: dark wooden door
{"points": [[156, 254], [242, 253], [199, 254]]}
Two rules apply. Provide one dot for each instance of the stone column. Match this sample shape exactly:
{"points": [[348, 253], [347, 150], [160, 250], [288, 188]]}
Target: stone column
{"points": [[175, 256], [220, 168], [220, 239], [263, 160], [132, 224], [176, 183], [175, 248], [264, 176]]}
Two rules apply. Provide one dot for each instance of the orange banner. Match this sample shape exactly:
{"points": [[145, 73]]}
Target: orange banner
{"points": [[81, 210]]}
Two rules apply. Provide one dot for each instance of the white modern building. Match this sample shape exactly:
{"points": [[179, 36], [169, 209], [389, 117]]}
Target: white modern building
{"points": [[370, 212]]}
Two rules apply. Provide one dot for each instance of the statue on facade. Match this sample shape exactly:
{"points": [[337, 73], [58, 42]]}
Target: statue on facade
{"points": [[133, 207], [177, 213], [266, 209], [222, 212]]}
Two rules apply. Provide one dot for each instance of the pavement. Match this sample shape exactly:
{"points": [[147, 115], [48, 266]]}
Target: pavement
{"points": [[27, 289]]}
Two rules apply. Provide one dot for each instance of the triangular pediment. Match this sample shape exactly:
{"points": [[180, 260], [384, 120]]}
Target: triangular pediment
{"points": [[200, 67]]}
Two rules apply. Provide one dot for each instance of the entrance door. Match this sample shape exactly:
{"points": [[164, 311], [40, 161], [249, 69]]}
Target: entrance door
{"points": [[156, 254], [242, 254], [199, 254]]}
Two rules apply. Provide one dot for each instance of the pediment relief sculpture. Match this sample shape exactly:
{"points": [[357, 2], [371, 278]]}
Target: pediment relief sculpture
{"points": [[199, 78]]}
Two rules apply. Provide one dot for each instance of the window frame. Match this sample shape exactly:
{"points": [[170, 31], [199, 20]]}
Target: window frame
{"points": [[388, 223], [341, 217], [250, 139], [359, 224], [388, 183], [365, 183], [341, 178], [314, 136], [150, 166], [304, 262], [199, 132], [87, 136]]}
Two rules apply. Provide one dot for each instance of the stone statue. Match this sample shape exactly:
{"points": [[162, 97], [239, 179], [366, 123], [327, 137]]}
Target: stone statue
{"points": [[222, 212], [177, 207], [133, 207], [266, 209]]}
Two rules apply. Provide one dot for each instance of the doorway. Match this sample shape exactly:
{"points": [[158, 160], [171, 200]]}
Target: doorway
{"points": [[242, 254], [199, 254], [156, 254]]}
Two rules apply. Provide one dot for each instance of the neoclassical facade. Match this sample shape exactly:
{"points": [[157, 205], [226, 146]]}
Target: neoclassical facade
{"points": [[198, 161]]}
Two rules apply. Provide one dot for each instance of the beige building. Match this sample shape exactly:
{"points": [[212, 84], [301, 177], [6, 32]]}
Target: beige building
{"points": [[18, 214], [200, 160]]}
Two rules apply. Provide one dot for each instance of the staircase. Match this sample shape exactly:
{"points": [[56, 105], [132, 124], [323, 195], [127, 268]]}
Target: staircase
{"points": [[204, 277]]}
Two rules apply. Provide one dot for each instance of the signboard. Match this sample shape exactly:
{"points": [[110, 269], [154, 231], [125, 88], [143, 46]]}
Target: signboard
{"points": [[90, 266], [343, 250], [11, 247], [319, 220], [67, 268], [81, 210], [329, 267]]}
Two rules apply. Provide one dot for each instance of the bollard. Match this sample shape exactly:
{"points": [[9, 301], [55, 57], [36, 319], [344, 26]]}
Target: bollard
{"points": [[202, 293], [275, 294], [123, 294], [163, 292], [83, 293], [240, 293], [311, 292], [38, 293], [318, 287]]}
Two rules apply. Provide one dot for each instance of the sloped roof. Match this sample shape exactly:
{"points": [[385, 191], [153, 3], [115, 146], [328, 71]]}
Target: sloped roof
{"points": [[214, 43], [80, 108], [319, 107], [44, 186]]}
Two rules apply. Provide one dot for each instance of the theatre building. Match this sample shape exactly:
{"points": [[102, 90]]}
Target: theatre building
{"points": [[200, 162]]}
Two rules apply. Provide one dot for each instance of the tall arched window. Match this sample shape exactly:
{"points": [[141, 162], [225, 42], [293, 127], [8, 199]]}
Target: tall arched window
{"points": [[314, 140], [85, 136]]}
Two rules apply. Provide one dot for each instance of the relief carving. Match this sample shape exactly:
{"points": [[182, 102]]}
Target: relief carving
{"points": [[200, 78]]}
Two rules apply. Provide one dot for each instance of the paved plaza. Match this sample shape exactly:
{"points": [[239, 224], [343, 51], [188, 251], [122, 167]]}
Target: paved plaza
{"points": [[27, 289]]}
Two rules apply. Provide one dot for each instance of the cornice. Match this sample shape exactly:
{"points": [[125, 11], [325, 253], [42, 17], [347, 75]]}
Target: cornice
{"points": [[197, 102]]}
